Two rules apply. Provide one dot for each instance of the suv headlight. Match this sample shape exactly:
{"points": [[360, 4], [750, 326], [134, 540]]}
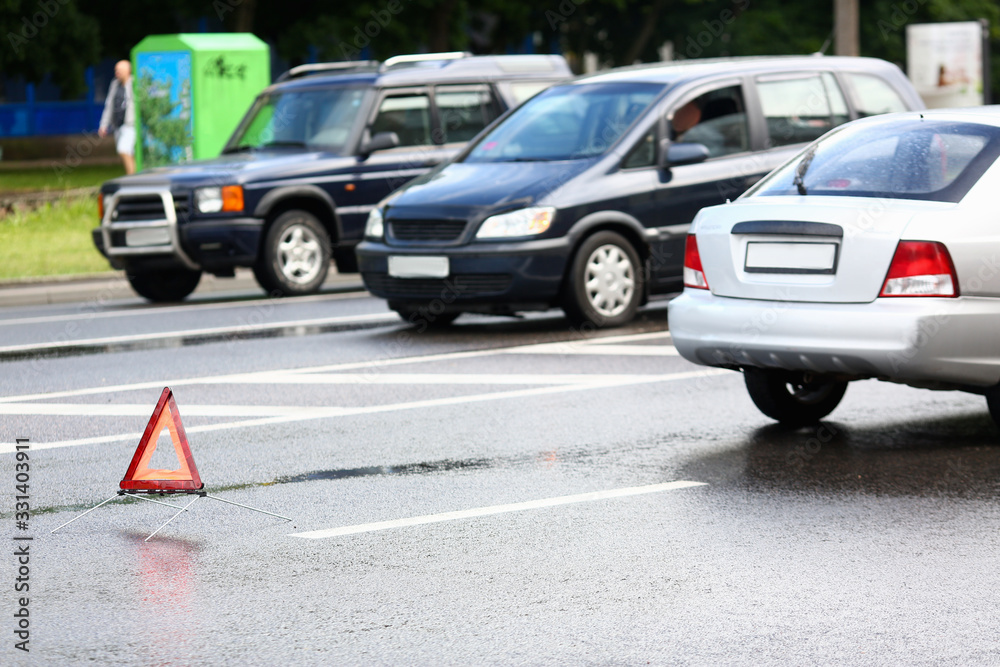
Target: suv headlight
{"points": [[228, 198], [375, 228], [524, 222]]}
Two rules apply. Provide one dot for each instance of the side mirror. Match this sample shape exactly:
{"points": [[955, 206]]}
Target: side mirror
{"points": [[677, 154], [379, 142]]}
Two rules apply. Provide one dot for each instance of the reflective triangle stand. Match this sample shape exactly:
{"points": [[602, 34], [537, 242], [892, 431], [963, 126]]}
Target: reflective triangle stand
{"points": [[141, 496]]}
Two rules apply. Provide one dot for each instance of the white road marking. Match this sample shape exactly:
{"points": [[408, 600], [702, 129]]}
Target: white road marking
{"points": [[616, 350], [496, 509], [325, 413], [216, 331], [255, 304], [238, 378]]}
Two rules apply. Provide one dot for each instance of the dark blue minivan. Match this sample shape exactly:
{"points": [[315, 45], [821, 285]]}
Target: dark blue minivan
{"points": [[581, 198]]}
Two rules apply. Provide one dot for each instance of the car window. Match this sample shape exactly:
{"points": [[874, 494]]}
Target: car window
{"points": [[310, 118], [643, 154], [566, 123], [409, 116], [464, 111], [799, 109], [717, 119], [873, 95], [914, 159]]}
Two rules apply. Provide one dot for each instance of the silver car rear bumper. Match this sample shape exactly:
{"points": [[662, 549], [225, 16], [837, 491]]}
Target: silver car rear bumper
{"points": [[932, 342]]}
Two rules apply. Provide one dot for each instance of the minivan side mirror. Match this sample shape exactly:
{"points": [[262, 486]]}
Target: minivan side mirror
{"points": [[379, 142], [677, 154]]}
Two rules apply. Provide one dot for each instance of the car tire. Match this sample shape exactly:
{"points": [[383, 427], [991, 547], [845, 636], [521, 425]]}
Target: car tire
{"points": [[605, 282], [993, 403], [164, 285], [295, 257], [424, 319], [793, 398]]}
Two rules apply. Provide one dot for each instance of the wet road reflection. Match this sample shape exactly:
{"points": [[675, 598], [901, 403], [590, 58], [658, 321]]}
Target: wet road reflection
{"points": [[956, 455]]}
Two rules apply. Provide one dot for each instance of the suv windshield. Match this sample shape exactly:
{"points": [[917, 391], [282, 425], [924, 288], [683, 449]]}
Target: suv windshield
{"points": [[904, 159], [313, 119], [566, 123]]}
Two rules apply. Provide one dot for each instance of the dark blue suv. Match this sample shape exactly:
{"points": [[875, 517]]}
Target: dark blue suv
{"points": [[294, 185], [582, 197]]}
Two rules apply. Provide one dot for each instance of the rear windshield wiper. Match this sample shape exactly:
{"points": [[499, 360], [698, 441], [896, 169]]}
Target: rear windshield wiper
{"points": [[802, 168]]}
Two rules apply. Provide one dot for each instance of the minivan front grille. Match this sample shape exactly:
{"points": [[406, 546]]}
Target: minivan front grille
{"points": [[460, 285], [427, 230]]}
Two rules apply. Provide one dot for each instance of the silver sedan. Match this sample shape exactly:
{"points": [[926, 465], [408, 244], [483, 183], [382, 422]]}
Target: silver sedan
{"points": [[875, 253]]}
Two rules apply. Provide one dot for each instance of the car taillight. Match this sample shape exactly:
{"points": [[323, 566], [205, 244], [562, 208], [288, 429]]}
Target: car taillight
{"points": [[694, 275], [100, 205], [921, 268]]}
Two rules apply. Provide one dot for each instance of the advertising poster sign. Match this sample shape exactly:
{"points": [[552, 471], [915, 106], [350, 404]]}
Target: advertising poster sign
{"points": [[945, 63], [163, 102]]}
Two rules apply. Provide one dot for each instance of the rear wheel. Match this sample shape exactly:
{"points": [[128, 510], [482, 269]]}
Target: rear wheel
{"points": [[295, 257], [164, 285], [791, 397], [605, 282]]}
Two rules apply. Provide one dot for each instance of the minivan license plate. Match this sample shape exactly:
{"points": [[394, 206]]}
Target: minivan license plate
{"points": [[418, 266], [791, 258]]}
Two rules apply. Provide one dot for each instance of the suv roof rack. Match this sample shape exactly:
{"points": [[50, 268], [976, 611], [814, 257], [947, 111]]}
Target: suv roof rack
{"points": [[396, 61], [320, 68]]}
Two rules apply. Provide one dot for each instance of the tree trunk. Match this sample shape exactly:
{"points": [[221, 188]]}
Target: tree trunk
{"points": [[648, 27], [244, 16], [439, 28]]}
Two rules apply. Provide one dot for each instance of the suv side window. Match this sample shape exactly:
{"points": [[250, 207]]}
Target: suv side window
{"points": [[717, 119], [409, 116], [873, 96], [464, 111], [800, 108]]}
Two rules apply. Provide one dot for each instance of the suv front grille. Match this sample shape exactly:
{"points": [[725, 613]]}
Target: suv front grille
{"points": [[136, 208], [460, 285], [427, 230]]}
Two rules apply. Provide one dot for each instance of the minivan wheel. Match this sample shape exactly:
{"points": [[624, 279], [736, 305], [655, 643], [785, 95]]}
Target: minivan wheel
{"points": [[164, 285], [605, 282], [295, 257], [793, 398]]}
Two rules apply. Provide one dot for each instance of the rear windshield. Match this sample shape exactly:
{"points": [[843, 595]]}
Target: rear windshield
{"points": [[904, 159], [566, 123]]}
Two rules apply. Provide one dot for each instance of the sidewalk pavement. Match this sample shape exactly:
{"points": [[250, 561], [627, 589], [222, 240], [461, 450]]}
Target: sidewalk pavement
{"points": [[111, 286]]}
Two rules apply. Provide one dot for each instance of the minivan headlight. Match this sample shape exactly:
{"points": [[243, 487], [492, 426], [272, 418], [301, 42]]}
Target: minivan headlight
{"points": [[375, 227], [523, 222]]}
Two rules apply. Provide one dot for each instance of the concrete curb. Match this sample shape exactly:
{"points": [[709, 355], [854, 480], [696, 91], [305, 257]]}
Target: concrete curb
{"points": [[113, 286]]}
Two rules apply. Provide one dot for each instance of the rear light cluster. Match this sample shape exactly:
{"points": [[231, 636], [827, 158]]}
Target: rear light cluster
{"points": [[921, 268], [694, 274]]}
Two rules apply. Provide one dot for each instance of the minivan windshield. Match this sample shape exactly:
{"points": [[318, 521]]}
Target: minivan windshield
{"points": [[319, 119], [903, 159], [566, 123]]}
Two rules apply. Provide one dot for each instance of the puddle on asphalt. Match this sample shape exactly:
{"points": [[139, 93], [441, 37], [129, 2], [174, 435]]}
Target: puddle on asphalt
{"points": [[955, 456]]}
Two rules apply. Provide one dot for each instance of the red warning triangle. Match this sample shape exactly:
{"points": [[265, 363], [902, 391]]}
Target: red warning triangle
{"points": [[140, 476]]}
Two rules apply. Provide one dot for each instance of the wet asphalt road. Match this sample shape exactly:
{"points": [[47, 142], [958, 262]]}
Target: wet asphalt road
{"points": [[871, 539]]}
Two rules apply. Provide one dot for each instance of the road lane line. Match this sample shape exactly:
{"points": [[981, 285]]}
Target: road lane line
{"points": [[250, 304], [236, 378], [242, 329], [325, 413], [617, 350], [496, 509]]}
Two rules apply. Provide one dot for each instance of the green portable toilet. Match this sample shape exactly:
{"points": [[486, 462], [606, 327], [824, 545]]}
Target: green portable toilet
{"points": [[191, 90]]}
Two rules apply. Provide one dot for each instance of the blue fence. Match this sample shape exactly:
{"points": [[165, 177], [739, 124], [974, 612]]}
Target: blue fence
{"points": [[32, 118]]}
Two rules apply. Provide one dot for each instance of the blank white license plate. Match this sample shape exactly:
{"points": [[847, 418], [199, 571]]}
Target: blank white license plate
{"points": [[418, 267], [140, 237], [791, 257]]}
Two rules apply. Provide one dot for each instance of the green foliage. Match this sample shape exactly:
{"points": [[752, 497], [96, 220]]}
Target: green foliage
{"points": [[51, 240], [48, 37]]}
